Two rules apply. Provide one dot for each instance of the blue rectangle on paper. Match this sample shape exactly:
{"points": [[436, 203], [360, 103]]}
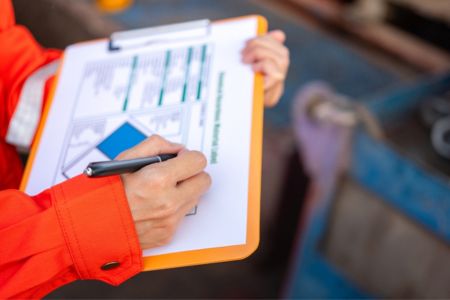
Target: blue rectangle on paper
{"points": [[125, 137]]}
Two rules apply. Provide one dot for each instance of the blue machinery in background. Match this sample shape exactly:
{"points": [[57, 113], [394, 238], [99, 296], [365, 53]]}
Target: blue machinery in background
{"points": [[421, 196]]}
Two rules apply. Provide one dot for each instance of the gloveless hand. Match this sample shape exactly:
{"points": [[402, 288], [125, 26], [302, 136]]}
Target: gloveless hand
{"points": [[160, 195], [268, 55]]}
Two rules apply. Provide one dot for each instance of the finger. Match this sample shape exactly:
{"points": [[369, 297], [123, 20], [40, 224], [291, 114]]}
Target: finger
{"points": [[153, 145], [267, 42], [278, 35], [196, 185], [193, 188], [185, 165], [260, 53], [272, 74]]}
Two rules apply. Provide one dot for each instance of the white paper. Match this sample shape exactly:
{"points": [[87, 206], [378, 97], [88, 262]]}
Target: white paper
{"points": [[196, 92]]}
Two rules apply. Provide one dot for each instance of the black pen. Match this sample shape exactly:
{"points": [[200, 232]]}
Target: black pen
{"points": [[115, 167]]}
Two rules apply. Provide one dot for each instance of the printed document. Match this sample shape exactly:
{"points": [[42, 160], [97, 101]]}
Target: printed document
{"points": [[195, 91]]}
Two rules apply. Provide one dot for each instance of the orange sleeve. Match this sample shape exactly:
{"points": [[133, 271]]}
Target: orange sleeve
{"points": [[20, 56], [67, 232]]}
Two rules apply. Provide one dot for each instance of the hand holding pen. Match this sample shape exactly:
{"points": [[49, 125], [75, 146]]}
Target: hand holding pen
{"points": [[161, 194]]}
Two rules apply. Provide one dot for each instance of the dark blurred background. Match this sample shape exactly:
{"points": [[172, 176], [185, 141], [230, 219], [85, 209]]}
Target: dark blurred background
{"points": [[370, 216]]}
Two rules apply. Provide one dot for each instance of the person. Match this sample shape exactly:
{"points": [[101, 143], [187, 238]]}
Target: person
{"points": [[87, 228]]}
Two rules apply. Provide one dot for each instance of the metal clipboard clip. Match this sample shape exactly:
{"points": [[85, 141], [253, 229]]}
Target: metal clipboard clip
{"points": [[152, 35]]}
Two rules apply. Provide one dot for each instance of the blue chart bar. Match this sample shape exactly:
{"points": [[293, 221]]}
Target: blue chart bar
{"points": [[126, 136]]}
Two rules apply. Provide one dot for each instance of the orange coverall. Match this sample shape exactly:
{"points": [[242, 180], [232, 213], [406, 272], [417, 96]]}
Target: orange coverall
{"points": [[68, 231]]}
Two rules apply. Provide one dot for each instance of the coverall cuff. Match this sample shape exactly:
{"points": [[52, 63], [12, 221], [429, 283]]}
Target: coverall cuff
{"points": [[98, 228]]}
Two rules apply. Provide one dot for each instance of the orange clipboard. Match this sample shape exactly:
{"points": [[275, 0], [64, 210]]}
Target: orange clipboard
{"points": [[210, 255]]}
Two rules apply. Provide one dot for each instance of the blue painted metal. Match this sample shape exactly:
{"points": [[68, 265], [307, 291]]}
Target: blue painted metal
{"points": [[422, 196], [312, 276], [403, 100]]}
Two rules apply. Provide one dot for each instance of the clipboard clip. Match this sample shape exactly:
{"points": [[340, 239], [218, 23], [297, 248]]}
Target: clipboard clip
{"points": [[152, 35]]}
